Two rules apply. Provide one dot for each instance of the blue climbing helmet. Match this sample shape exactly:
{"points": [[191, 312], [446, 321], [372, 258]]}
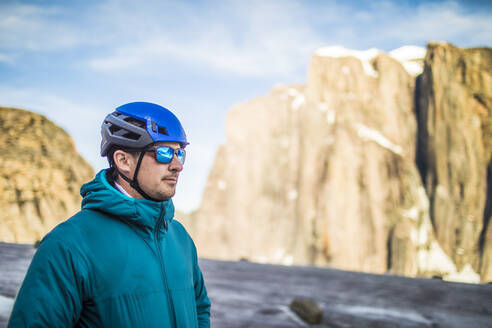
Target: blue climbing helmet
{"points": [[136, 125], [133, 127]]}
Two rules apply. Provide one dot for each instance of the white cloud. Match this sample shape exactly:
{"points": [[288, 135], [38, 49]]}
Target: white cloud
{"points": [[6, 59], [35, 28], [248, 39], [275, 38]]}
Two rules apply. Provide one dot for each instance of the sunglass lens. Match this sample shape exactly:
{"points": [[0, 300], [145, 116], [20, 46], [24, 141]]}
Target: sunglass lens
{"points": [[181, 153], [164, 154]]}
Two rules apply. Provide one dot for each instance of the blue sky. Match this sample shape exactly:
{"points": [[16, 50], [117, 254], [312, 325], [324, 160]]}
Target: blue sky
{"points": [[75, 61]]}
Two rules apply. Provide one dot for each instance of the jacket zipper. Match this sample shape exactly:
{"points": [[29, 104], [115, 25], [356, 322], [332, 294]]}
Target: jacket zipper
{"points": [[164, 277]]}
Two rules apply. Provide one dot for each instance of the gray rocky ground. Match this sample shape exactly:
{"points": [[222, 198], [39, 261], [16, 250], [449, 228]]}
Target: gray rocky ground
{"points": [[247, 294]]}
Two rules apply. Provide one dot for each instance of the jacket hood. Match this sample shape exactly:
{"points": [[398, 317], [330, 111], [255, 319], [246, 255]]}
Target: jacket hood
{"points": [[101, 196]]}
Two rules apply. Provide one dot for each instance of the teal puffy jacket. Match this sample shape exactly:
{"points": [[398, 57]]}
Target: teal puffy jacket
{"points": [[119, 262]]}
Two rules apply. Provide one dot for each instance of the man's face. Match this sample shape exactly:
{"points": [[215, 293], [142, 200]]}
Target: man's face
{"points": [[158, 180]]}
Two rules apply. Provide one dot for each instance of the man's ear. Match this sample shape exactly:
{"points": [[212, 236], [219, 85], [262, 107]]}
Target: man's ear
{"points": [[124, 161]]}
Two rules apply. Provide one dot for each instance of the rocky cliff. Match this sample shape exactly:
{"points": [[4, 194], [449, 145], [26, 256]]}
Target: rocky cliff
{"points": [[40, 176], [326, 173], [454, 101]]}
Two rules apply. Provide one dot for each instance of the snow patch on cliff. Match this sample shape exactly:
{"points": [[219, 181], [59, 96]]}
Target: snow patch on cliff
{"points": [[280, 256], [370, 134], [298, 102], [365, 56], [222, 185], [434, 259], [293, 92], [466, 275], [411, 57], [293, 194]]}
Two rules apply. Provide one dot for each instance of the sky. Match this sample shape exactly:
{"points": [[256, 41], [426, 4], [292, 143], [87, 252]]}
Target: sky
{"points": [[75, 61]]}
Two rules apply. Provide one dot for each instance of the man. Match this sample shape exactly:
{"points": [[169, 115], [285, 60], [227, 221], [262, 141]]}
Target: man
{"points": [[122, 261]]}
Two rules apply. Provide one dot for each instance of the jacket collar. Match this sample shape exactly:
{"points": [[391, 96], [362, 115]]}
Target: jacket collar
{"points": [[145, 214]]}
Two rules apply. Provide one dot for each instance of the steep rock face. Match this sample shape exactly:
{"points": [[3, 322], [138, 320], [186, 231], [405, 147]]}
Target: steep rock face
{"points": [[40, 176], [251, 188], [454, 98], [322, 174], [326, 173], [361, 174]]}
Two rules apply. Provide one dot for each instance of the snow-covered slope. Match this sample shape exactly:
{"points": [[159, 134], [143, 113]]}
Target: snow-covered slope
{"points": [[411, 57], [364, 56]]}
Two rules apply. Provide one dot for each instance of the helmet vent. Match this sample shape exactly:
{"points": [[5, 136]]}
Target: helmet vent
{"points": [[135, 121], [162, 130], [131, 135], [114, 128]]}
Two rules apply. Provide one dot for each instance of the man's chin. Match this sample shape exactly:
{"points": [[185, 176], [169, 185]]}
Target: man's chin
{"points": [[165, 195]]}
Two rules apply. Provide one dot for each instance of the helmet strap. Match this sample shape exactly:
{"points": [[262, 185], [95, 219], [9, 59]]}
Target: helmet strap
{"points": [[134, 182]]}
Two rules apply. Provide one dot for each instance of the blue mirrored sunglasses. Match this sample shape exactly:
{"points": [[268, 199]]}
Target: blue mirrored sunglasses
{"points": [[164, 154]]}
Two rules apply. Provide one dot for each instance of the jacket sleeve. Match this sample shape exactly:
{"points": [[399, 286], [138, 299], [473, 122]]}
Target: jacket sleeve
{"points": [[52, 292], [202, 300]]}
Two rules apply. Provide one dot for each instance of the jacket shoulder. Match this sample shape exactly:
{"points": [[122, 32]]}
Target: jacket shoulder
{"points": [[179, 228], [75, 228]]}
